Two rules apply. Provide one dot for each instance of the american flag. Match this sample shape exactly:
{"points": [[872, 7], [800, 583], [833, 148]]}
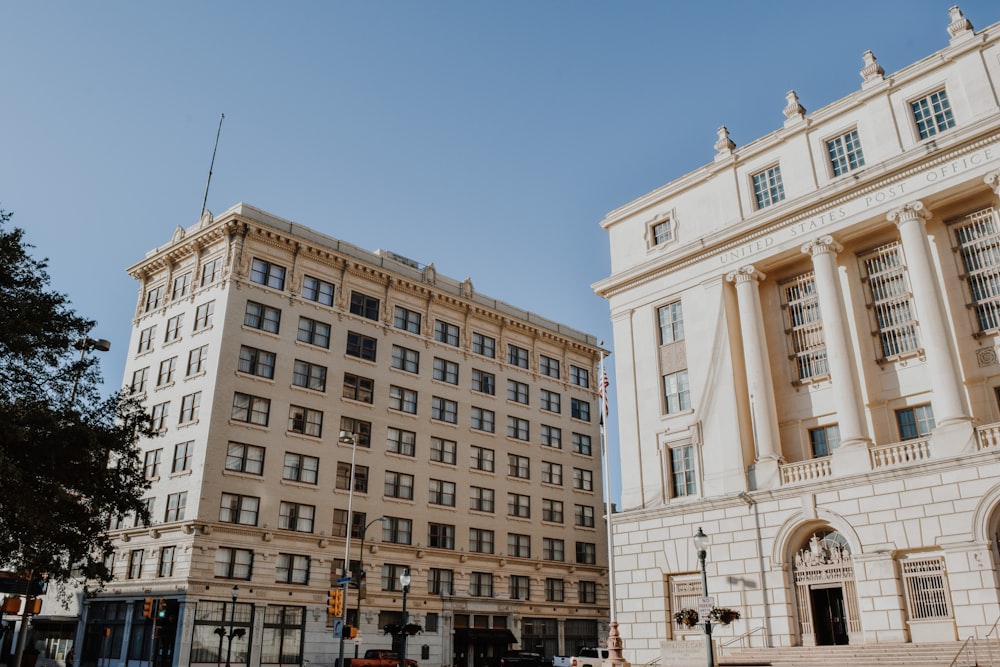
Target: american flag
{"points": [[603, 391]]}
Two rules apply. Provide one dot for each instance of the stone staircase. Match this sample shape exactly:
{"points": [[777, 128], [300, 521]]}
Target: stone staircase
{"points": [[978, 653]]}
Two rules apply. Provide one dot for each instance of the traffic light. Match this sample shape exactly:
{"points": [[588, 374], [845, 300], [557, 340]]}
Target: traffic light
{"points": [[147, 608], [354, 632], [335, 602], [161, 608]]}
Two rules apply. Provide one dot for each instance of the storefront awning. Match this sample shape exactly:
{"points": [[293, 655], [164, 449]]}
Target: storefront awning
{"points": [[484, 635]]}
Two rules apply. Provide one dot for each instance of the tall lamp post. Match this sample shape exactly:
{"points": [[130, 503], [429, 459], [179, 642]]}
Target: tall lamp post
{"points": [[701, 543], [233, 633], [347, 438], [404, 579], [85, 345], [361, 576]]}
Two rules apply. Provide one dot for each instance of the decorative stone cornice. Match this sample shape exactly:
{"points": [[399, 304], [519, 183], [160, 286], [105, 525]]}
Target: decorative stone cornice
{"points": [[960, 27], [822, 246], [907, 212], [872, 72], [745, 274]]}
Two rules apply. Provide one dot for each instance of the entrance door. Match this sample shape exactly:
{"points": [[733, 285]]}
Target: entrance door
{"points": [[829, 615]]}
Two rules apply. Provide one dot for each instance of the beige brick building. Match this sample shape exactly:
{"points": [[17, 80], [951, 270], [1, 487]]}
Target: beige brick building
{"points": [[806, 336], [263, 349]]}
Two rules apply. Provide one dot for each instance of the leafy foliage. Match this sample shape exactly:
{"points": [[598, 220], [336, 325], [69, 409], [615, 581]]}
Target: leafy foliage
{"points": [[66, 469]]}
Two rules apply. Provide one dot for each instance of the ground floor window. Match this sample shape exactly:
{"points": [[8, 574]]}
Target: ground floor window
{"points": [[926, 588], [211, 620], [579, 633], [283, 629]]}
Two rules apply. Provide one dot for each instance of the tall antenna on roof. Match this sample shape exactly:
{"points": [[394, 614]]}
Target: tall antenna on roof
{"points": [[204, 201]]}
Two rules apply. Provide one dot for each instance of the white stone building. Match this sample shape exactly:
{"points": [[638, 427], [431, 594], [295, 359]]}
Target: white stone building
{"points": [[477, 443], [806, 334]]}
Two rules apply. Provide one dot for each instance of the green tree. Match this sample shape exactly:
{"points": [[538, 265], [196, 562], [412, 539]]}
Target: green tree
{"points": [[67, 470]]}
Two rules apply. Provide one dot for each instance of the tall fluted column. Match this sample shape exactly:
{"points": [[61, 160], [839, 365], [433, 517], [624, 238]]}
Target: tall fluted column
{"points": [[948, 395], [760, 385], [844, 378]]}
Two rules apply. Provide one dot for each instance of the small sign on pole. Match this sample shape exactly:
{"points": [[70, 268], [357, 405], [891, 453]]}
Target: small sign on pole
{"points": [[358, 639], [705, 605], [343, 580]]}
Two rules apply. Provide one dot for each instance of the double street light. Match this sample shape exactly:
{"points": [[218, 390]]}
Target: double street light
{"points": [[233, 633], [362, 584], [701, 543], [404, 580]]}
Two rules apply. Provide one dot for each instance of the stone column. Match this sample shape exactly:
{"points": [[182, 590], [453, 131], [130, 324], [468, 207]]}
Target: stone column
{"points": [[763, 411], [852, 454], [954, 433]]}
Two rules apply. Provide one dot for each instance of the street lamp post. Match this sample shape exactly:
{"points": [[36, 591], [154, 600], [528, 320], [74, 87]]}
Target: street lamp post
{"points": [[701, 543], [404, 579], [361, 575], [85, 345], [351, 439], [233, 633]]}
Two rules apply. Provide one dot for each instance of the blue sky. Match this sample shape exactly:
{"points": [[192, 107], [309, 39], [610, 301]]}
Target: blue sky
{"points": [[489, 138]]}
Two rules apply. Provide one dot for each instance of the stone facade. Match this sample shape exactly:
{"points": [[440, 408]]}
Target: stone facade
{"points": [[806, 340]]}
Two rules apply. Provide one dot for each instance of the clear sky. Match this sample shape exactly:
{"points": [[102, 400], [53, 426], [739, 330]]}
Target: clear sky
{"points": [[489, 138]]}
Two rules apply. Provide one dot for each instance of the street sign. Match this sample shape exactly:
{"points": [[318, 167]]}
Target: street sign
{"points": [[343, 580], [338, 628], [358, 639], [705, 605]]}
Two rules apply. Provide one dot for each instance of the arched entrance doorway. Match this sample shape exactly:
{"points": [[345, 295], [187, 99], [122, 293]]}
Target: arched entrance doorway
{"points": [[825, 590]]}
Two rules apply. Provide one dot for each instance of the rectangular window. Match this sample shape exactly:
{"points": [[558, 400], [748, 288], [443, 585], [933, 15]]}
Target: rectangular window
{"points": [[445, 371], [159, 416], [767, 187], [190, 407], [552, 510], [173, 328], [146, 337], [296, 516], [518, 428], [167, 557], [551, 436], [553, 549], [405, 359], [586, 553], [305, 421], [154, 298], [481, 499], [344, 477], [892, 307], [233, 563], [361, 346], [291, 569], [444, 410], [682, 473], [139, 380], [520, 587], [313, 332], [671, 321], [397, 531], [676, 392], [256, 362], [406, 319], [548, 366], [663, 231], [267, 273], [824, 440], [480, 540], [211, 271], [390, 577], [484, 345], [259, 316], [362, 429], [401, 442], [440, 581], [518, 546], [182, 284], [236, 508], [579, 376], [284, 627], [482, 458], [519, 505], [583, 479], [481, 584], [176, 504], [550, 401], [135, 558], [517, 356], [554, 590], [483, 419], [845, 153], [580, 409], [932, 114], [441, 492], [926, 588], [196, 360], [483, 382], [517, 392], [398, 485], [309, 376], [357, 388], [446, 332], [167, 368], [978, 240], [182, 456], [583, 516], [444, 451], [587, 592], [915, 422], [581, 444], [518, 466], [243, 458], [300, 468], [441, 536], [403, 399], [317, 290], [364, 305], [805, 326], [552, 473], [203, 315], [151, 463]]}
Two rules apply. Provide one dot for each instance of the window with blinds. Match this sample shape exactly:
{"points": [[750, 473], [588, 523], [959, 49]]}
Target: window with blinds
{"points": [[805, 327], [892, 306]]}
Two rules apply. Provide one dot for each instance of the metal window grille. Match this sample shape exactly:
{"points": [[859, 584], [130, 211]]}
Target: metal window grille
{"points": [[979, 246], [926, 588], [892, 306], [805, 326]]}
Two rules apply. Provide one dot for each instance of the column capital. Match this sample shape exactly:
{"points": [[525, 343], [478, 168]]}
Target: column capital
{"points": [[745, 274], [821, 246], [908, 212], [992, 179]]}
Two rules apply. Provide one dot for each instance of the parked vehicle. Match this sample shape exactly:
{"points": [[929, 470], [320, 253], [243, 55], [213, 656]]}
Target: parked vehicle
{"points": [[523, 659], [589, 657], [377, 657]]}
